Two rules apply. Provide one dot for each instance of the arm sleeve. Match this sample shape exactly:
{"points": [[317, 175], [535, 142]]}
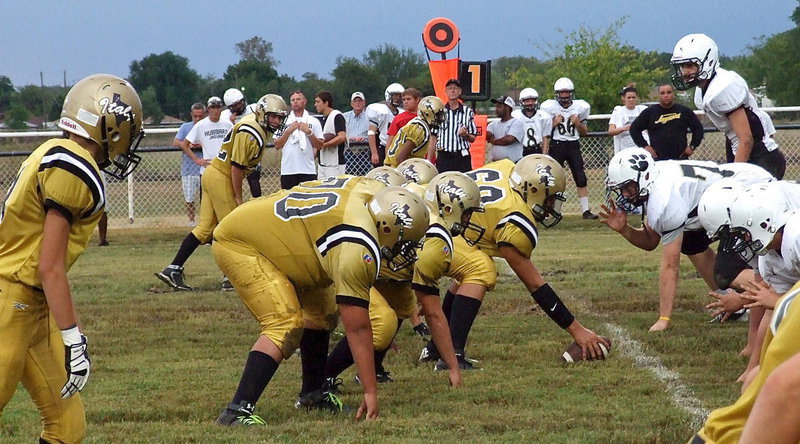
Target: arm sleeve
{"points": [[547, 124], [615, 117], [639, 124], [729, 99], [183, 132]]}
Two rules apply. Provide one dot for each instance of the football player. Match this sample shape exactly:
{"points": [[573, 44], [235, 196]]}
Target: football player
{"points": [[317, 245], [412, 139], [538, 124], [417, 170], [569, 124], [452, 198], [235, 105], [380, 116], [726, 100], [221, 183], [49, 213], [389, 176], [515, 198], [670, 192]]}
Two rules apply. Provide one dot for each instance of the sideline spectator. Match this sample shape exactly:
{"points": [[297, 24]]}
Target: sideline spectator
{"points": [[334, 134], [357, 126], [537, 124], [411, 98], [190, 171], [506, 134], [623, 116], [298, 143], [208, 134], [453, 142], [666, 124], [380, 115], [235, 108]]}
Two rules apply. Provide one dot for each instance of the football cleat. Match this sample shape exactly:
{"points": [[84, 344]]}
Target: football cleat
{"points": [[240, 414], [589, 215], [226, 284], [429, 353], [381, 377], [332, 385], [320, 400], [463, 363], [173, 276]]}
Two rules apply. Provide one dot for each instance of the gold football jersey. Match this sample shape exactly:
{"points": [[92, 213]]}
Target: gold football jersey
{"points": [[725, 425], [59, 175], [416, 131], [243, 146], [506, 217], [433, 260], [319, 233]]}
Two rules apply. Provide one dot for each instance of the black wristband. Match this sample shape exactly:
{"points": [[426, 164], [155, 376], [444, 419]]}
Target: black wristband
{"points": [[547, 299]]}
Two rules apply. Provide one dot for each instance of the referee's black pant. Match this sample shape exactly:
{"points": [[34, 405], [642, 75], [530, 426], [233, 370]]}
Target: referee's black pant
{"points": [[448, 161]]}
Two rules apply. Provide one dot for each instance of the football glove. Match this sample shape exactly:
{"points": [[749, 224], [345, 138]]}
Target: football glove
{"points": [[422, 330], [77, 362]]}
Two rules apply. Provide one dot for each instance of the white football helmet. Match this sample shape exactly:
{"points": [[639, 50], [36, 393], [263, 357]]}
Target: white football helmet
{"points": [[529, 93], [714, 208], [627, 167], [755, 217], [696, 49], [564, 84], [394, 88], [401, 218], [234, 101], [454, 196]]}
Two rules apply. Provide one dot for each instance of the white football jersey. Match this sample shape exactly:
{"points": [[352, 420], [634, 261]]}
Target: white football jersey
{"points": [[727, 92], [537, 127], [380, 115], [677, 187], [566, 131], [782, 270]]}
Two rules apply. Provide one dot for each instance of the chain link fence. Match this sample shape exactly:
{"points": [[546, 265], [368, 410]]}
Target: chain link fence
{"points": [[152, 196]]}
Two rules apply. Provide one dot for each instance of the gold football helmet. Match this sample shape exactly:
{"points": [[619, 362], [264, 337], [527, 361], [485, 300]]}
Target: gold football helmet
{"points": [[271, 104], [541, 181], [431, 110], [455, 196], [417, 170], [106, 110], [402, 219], [387, 175]]}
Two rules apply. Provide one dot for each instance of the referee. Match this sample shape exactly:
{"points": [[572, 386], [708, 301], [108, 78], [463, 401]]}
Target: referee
{"points": [[454, 138]]}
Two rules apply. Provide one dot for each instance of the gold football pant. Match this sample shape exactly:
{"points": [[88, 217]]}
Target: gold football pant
{"points": [[470, 265], [32, 352], [272, 299], [388, 302], [216, 202]]}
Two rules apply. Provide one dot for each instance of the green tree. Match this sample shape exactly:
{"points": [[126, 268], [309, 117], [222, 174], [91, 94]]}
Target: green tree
{"points": [[773, 63], [351, 75], [396, 65], [7, 92], [599, 65], [150, 107], [169, 74], [251, 76], [258, 49], [17, 115]]}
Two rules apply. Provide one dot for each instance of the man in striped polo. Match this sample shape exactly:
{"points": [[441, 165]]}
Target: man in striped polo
{"points": [[452, 142]]}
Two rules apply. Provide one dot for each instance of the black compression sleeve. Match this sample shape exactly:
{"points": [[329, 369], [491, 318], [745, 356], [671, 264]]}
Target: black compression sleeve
{"points": [[546, 297]]}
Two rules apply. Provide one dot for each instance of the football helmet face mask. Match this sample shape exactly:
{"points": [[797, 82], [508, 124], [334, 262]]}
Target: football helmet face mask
{"points": [[107, 110], [271, 104], [401, 218], [565, 91], [454, 196], [541, 181], [390, 92], [529, 93], [630, 175], [388, 175], [234, 101], [698, 50], [755, 217], [713, 210], [417, 170], [431, 110]]}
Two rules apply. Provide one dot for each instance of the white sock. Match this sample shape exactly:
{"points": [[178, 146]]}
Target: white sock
{"points": [[584, 204]]}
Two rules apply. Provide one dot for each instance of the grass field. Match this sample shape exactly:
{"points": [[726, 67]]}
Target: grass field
{"points": [[166, 363]]}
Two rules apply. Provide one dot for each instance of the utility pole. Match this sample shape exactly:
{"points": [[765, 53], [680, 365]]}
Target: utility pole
{"points": [[44, 100]]}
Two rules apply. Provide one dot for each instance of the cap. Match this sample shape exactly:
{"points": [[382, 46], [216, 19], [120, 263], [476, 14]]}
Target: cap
{"points": [[357, 94], [453, 82], [214, 101], [504, 100]]}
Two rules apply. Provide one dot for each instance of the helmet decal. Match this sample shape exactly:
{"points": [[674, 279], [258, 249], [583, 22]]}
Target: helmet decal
{"points": [[401, 212], [120, 109]]}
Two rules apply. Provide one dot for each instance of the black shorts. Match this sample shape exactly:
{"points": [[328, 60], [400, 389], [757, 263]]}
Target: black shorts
{"points": [[727, 267], [447, 161], [292, 180], [773, 161], [570, 152], [694, 242]]}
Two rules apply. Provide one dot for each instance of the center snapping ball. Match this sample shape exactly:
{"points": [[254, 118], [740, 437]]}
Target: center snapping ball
{"points": [[574, 353]]}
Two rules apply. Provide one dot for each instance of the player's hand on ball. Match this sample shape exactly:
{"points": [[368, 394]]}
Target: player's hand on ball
{"points": [[590, 344], [78, 366]]}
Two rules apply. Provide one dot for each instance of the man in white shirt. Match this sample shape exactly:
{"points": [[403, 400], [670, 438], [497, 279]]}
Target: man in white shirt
{"points": [[208, 133], [298, 144], [506, 134], [334, 134], [623, 116]]}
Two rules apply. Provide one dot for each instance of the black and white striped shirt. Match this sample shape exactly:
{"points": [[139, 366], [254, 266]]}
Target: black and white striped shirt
{"points": [[448, 139]]}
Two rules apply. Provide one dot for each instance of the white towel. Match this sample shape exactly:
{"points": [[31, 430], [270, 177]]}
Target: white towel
{"points": [[298, 137]]}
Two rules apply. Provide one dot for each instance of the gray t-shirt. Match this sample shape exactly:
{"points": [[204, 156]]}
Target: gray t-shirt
{"points": [[500, 129]]}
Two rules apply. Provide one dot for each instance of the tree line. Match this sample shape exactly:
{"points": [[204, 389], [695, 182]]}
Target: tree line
{"points": [[596, 60]]}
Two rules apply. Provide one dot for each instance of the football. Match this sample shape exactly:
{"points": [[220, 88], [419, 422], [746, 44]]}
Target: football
{"points": [[573, 352], [328, 136]]}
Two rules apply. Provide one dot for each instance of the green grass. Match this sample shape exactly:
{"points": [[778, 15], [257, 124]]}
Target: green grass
{"points": [[166, 363]]}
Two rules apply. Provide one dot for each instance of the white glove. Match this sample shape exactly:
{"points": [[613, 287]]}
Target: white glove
{"points": [[77, 361]]}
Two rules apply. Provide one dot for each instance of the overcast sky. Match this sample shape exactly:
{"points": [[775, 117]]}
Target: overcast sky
{"points": [[88, 36]]}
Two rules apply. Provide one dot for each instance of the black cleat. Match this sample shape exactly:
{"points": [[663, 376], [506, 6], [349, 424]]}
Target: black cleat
{"points": [[463, 363], [333, 385], [320, 400], [226, 284], [173, 276], [381, 377], [239, 414], [589, 215], [429, 354]]}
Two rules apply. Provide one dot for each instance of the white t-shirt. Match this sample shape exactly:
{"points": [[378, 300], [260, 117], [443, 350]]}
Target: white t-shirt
{"points": [[535, 128], [782, 270], [226, 113], [622, 116], [566, 131], [677, 187], [210, 136], [500, 129], [727, 92], [381, 116], [297, 155]]}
